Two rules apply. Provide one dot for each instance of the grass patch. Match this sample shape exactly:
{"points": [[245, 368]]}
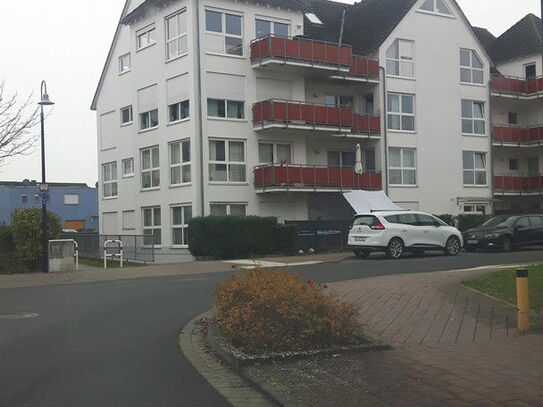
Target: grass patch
{"points": [[110, 263], [502, 285]]}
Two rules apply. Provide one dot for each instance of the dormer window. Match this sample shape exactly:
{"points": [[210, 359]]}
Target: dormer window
{"points": [[436, 6], [313, 19]]}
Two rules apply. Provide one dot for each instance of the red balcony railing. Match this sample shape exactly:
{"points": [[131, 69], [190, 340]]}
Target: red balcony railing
{"points": [[512, 134], [513, 85], [365, 67], [294, 176], [300, 50], [366, 124], [512, 184]]}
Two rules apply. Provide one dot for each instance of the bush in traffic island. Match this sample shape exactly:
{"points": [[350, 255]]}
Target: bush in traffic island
{"points": [[274, 311]]}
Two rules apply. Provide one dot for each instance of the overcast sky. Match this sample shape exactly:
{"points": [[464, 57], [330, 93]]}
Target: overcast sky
{"points": [[66, 42]]}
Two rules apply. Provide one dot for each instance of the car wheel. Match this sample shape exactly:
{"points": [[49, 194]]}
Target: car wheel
{"points": [[395, 248], [361, 254], [453, 246], [507, 244]]}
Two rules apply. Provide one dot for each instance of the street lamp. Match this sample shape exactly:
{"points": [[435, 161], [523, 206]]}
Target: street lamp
{"points": [[45, 101]]}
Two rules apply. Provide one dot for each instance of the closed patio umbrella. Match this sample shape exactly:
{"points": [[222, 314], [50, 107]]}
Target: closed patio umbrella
{"points": [[358, 168]]}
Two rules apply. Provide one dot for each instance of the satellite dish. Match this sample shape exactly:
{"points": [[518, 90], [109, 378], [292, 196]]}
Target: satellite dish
{"points": [[26, 183]]}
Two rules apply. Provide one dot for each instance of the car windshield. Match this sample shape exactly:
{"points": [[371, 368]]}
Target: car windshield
{"points": [[500, 221]]}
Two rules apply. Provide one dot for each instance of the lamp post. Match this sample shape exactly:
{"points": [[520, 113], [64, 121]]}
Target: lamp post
{"points": [[45, 101]]}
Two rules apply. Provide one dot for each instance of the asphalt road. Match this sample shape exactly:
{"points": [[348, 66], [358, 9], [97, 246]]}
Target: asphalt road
{"points": [[115, 343]]}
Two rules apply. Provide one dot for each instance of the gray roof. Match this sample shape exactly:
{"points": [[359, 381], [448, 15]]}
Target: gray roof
{"points": [[521, 40], [485, 37]]}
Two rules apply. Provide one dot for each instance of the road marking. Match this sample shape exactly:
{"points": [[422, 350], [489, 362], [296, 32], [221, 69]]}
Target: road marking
{"points": [[254, 264], [17, 315]]}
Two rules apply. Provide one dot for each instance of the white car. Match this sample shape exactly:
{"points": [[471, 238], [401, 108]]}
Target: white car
{"points": [[395, 232]]}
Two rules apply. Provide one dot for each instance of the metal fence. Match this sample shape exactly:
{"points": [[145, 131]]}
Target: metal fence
{"points": [[321, 235], [134, 248]]}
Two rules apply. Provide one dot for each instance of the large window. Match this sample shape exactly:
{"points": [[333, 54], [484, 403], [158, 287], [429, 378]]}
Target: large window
{"points": [[230, 27], [128, 167], [339, 101], [473, 117], [126, 115], [180, 225], [401, 112], [180, 170], [530, 71], [179, 111], [151, 226], [145, 37], [71, 199], [343, 159], [402, 166], [400, 59], [224, 209], [471, 67], [228, 109], [369, 160], [436, 6], [474, 168], [264, 28], [269, 153], [150, 168], [227, 161], [149, 120], [176, 35], [124, 63], [109, 179]]}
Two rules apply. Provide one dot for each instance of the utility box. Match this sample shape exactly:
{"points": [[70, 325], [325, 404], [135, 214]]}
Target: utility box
{"points": [[61, 256]]}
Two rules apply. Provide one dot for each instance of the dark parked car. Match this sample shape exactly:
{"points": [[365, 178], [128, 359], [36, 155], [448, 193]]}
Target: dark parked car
{"points": [[506, 233]]}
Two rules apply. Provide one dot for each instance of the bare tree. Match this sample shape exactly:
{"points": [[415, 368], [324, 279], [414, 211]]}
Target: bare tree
{"points": [[17, 119]]}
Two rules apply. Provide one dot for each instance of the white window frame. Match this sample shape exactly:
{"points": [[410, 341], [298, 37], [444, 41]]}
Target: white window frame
{"points": [[151, 169], [229, 207], [122, 67], [475, 170], [183, 226], [67, 198], [177, 38], [178, 107], [148, 114], [182, 165], [128, 174], [471, 68], [24, 198], [274, 145], [402, 166], [131, 110], [473, 119], [227, 161], [401, 60], [341, 158], [401, 114], [154, 226], [436, 10], [110, 180], [223, 33], [272, 25], [225, 117], [149, 32]]}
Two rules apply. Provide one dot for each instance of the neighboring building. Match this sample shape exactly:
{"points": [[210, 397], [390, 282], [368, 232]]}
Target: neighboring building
{"points": [[75, 204], [227, 107]]}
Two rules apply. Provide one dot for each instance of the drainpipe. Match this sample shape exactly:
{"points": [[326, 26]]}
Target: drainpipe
{"points": [[200, 130], [542, 29], [385, 133], [491, 148]]}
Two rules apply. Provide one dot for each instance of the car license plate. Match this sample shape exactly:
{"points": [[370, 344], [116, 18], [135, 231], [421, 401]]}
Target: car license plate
{"points": [[473, 242], [360, 238]]}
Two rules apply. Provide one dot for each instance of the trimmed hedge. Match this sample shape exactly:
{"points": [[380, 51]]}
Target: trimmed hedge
{"points": [[9, 262], [447, 218], [229, 237], [464, 221]]}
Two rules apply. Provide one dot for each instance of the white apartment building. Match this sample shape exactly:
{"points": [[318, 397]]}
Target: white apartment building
{"points": [[256, 108]]}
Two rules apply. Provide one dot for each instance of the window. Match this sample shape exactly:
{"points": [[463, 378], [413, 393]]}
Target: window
{"points": [[370, 105], [402, 166], [369, 161], [400, 59], [471, 67], [180, 169], [227, 161], [228, 209], [343, 159], [530, 71], [151, 227], [270, 153], [145, 37], [128, 167], [109, 178], [426, 220], [473, 117], [513, 164], [124, 63], [436, 6], [474, 168], [36, 199], [149, 120], [264, 28], [71, 199], [523, 222], [401, 112], [340, 101], [24, 198], [229, 109], [313, 19], [512, 118], [475, 209], [150, 168], [536, 221], [179, 111], [176, 35], [126, 115], [408, 219], [229, 26], [180, 225]]}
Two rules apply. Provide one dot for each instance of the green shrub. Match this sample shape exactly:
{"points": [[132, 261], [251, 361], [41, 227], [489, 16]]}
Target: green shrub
{"points": [[270, 311], [26, 225], [7, 244], [284, 239], [447, 218], [466, 222], [231, 237]]}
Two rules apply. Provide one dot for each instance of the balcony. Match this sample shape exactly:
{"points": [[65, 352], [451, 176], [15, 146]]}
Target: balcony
{"points": [[300, 52], [287, 114], [515, 87], [362, 69], [518, 185], [299, 177], [517, 136]]}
